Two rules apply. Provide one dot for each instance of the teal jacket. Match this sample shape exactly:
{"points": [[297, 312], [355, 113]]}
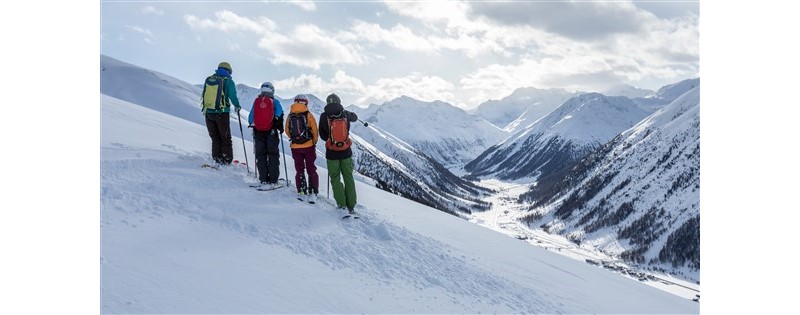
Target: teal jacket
{"points": [[230, 90]]}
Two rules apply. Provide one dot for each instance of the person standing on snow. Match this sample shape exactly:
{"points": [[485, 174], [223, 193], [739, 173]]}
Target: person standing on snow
{"points": [[266, 119], [334, 129], [301, 127], [219, 92]]}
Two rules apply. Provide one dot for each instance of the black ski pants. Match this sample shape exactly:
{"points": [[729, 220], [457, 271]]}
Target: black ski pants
{"points": [[267, 155], [219, 129]]}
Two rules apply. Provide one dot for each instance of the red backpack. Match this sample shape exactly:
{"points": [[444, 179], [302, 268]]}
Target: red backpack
{"points": [[263, 113], [339, 139]]}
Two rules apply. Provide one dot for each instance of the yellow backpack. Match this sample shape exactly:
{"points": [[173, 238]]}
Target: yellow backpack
{"points": [[214, 97]]}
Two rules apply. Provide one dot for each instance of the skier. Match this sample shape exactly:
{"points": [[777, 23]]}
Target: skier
{"points": [[266, 119], [219, 91], [301, 127], [334, 129]]}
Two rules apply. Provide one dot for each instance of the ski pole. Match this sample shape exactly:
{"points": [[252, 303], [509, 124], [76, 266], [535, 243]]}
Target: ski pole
{"points": [[241, 132], [255, 158], [329, 185], [286, 172], [366, 124]]}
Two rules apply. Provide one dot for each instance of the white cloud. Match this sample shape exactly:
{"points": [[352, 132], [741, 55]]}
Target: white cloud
{"points": [[228, 21], [572, 45], [305, 5], [456, 30], [416, 85], [341, 83], [148, 35], [399, 36], [353, 91], [305, 46], [153, 10], [452, 13], [579, 20], [516, 53], [496, 81], [311, 47]]}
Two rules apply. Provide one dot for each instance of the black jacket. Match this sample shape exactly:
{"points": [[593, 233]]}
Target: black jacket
{"points": [[325, 131]]}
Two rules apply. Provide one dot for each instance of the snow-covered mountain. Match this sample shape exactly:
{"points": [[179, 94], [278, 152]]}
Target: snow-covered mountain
{"points": [[138, 85], [523, 107], [437, 129], [393, 164], [557, 140], [628, 91], [638, 196], [177, 238], [402, 169], [666, 95]]}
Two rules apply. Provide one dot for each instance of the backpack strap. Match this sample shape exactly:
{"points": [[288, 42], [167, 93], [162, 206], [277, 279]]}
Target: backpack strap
{"points": [[224, 101]]}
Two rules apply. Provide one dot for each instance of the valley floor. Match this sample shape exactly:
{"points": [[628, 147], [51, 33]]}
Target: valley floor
{"points": [[504, 217]]}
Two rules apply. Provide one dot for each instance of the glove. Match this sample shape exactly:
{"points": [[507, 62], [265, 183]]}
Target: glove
{"points": [[277, 123], [238, 109]]}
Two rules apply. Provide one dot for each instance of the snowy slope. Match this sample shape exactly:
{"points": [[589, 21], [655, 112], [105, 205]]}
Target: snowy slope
{"points": [[152, 89], [666, 95], [578, 126], [439, 130], [393, 164], [638, 196], [628, 91], [177, 238], [523, 107]]}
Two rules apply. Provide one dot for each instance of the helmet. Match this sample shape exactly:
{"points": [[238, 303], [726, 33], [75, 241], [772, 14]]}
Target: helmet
{"points": [[267, 87], [333, 99], [226, 66], [300, 98]]}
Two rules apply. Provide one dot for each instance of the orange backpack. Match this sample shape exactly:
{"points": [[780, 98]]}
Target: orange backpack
{"points": [[339, 139]]}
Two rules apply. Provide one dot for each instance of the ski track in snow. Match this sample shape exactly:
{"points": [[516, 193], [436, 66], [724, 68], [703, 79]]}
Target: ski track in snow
{"points": [[369, 245]]}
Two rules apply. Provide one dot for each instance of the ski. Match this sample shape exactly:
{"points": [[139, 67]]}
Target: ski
{"points": [[259, 185], [268, 189], [209, 166], [351, 215]]}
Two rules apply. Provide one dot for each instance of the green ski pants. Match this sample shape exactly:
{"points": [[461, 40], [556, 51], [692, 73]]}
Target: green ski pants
{"points": [[344, 196]]}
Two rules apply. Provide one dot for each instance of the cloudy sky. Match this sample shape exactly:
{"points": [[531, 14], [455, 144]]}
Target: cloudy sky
{"points": [[461, 52]]}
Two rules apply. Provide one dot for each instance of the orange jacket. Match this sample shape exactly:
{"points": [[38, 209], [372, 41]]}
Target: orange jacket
{"points": [[312, 125]]}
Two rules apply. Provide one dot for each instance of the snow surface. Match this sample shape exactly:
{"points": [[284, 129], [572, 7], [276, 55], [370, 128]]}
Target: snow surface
{"points": [[523, 107], [588, 118], [177, 238]]}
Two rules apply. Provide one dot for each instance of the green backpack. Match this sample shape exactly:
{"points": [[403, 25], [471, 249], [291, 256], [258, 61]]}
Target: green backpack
{"points": [[214, 97]]}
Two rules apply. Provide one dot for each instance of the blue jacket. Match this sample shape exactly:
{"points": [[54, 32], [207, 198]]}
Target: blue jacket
{"points": [[230, 90], [278, 110]]}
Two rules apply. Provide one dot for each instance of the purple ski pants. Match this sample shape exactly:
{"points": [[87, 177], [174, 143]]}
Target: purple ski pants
{"points": [[304, 162]]}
